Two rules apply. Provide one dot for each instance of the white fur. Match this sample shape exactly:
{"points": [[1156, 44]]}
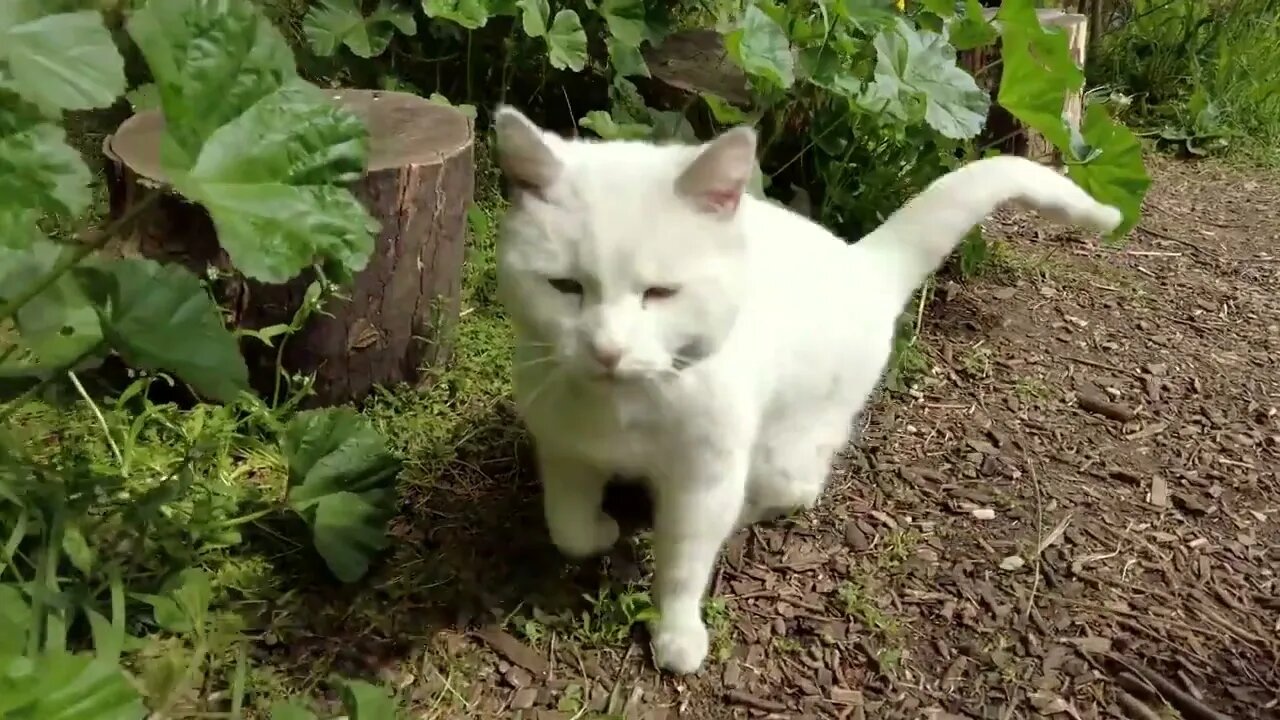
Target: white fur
{"points": [[795, 325]]}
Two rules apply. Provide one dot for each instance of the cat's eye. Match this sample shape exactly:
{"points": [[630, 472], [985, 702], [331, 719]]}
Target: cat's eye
{"points": [[659, 293], [566, 286]]}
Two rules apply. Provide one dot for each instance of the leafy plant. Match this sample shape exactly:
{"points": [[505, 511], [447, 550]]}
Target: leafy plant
{"points": [[270, 159]]}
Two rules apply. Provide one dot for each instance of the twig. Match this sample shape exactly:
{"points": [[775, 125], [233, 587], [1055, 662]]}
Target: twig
{"points": [[1106, 408], [1178, 240], [1182, 701], [1098, 364], [1035, 580], [739, 697], [1135, 707], [102, 421]]}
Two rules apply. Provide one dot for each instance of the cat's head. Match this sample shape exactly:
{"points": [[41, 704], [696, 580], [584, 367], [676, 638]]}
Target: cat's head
{"points": [[626, 259]]}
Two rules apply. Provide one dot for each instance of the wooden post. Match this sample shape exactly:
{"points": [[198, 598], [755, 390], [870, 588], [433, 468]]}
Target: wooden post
{"points": [[1003, 131], [398, 311]]}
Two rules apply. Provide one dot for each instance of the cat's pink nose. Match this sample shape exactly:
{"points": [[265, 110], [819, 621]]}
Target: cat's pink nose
{"points": [[607, 355]]}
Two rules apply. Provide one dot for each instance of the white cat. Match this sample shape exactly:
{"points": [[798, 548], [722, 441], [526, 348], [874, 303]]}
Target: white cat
{"points": [[672, 327]]}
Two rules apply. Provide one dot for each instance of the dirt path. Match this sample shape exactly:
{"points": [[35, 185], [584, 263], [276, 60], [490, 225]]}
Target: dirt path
{"points": [[1084, 488]]}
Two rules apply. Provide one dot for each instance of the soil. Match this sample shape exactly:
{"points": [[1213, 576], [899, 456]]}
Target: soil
{"points": [[1076, 513]]}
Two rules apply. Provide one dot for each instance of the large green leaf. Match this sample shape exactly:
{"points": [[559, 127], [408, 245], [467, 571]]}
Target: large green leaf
{"points": [[760, 47], [211, 62], [38, 171], [340, 22], [363, 701], [273, 181], [916, 77], [626, 20], [567, 42], [470, 14], [1110, 166], [66, 687], [15, 620], [60, 324], [65, 61], [971, 30], [626, 59], [291, 710], [159, 317], [1037, 71], [535, 15], [342, 482]]}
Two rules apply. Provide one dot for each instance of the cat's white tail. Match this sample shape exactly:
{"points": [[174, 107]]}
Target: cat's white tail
{"points": [[915, 240]]}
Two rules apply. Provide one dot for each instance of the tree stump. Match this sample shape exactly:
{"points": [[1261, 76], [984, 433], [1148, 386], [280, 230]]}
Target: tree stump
{"points": [[1003, 132], [397, 314]]}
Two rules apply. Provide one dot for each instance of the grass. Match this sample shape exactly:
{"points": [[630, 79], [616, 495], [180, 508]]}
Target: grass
{"points": [[1198, 73]]}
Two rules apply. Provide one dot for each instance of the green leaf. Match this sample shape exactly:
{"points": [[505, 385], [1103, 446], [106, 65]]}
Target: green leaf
{"points": [[534, 16], [340, 22], [626, 59], [363, 701], [916, 77], [38, 171], [760, 47], [143, 97], [567, 42], [465, 108], [291, 710], [143, 305], [15, 620], [602, 123], [941, 8], [722, 110], [66, 61], [470, 14], [972, 30], [274, 180], [341, 481], [1037, 71], [626, 20], [211, 61], [60, 324], [1114, 174], [867, 16], [67, 687], [77, 549]]}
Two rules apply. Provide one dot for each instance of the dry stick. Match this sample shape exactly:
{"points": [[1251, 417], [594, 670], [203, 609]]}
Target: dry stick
{"points": [[1035, 581], [1181, 700], [1135, 707], [741, 698], [1099, 364], [1178, 240]]}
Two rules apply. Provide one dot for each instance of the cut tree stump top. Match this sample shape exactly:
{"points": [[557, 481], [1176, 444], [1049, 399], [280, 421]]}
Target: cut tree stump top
{"points": [[404, 130]]}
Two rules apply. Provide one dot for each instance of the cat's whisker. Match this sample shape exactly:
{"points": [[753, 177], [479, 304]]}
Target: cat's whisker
{"points": [[551, 376]]}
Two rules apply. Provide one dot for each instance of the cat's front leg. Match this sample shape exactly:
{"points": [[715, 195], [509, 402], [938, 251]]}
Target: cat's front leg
{"points": [[572, 497], [693, 517]]}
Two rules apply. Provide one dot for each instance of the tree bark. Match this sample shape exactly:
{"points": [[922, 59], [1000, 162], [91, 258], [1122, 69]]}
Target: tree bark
{"points": [[1003, 132], [396, 317]]}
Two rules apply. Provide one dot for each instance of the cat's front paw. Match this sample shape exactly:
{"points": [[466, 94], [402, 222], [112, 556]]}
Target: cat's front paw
{"points": [[584, 538], [679, 647]]}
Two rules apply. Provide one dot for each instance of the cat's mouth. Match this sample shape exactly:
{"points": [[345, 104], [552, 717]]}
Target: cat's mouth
{"points": [[689, 354]]}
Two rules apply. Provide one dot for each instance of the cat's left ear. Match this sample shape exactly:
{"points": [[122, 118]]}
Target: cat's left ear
{"points": [[524, 154], [718, 176]]}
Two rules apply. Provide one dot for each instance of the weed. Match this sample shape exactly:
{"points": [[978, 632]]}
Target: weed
{"points": [[976, 361], [1029, 389], [787, 645], [719, 619], [1198, 73]]}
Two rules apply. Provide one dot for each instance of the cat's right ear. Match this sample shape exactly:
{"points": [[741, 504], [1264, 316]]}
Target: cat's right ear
{"points": [[526, 159]]}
